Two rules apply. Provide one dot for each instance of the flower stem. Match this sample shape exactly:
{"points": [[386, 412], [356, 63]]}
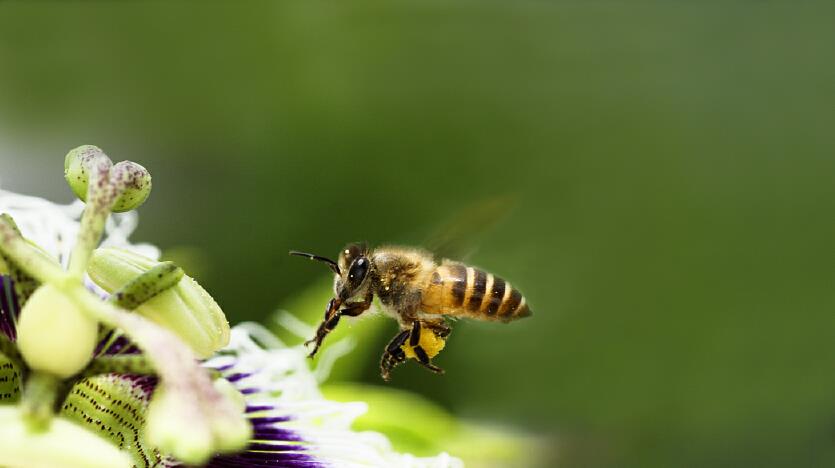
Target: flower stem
{"points": [[8, 349], [39, 395], [101, 195]]}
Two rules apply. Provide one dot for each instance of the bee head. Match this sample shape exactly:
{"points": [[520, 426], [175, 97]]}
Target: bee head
{"points": [[354, 266], [350, 270]]}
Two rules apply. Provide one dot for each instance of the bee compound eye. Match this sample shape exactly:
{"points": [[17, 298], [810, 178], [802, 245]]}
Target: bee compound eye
{"points": [[357, 271]]}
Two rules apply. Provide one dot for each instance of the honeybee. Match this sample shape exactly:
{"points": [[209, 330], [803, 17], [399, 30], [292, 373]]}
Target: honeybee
{"points": [[416, 291]]}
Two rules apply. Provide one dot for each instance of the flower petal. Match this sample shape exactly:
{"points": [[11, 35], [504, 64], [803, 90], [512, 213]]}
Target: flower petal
{"points": [[293, 424]]}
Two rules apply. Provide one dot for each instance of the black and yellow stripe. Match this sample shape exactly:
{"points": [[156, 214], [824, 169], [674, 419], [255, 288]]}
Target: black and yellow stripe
{"points": [[489, 297], [456, 289]]}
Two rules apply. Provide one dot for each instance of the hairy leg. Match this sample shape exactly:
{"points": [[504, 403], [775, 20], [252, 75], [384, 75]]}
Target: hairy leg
{"points": [[351, 309], [414, 342], [394, 354]]}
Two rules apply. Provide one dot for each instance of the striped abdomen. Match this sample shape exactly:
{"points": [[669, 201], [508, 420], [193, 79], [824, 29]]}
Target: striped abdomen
{"points": [[456, 289]]}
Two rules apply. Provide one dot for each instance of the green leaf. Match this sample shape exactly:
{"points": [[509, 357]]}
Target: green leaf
{"points": [[419, 426]]}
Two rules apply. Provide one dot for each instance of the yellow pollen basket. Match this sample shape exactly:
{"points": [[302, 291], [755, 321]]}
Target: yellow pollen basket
{"points": [[429, 342]]}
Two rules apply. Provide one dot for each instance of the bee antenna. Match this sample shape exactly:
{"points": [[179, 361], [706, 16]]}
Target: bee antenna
{"points": [[331, 264]]}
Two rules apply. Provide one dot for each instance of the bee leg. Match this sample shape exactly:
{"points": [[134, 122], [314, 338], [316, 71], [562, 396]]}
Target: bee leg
{"points": [[424, 361], [324, 329], [414, 335], [352, 309], [440, 328], [393, 355], [422, 357]]}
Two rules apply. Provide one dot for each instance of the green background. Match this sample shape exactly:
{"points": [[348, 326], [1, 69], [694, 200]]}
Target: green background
{"points": [[664, 175]]}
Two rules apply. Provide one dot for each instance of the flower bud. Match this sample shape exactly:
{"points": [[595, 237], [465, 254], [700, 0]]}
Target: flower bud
{"points": [[77, 169], [135, 183], [186, 308], [54, 334], [131, 181]]}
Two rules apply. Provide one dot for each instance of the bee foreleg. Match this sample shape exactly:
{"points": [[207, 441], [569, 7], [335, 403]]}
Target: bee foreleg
{"points": [[328, 324], [352, 309]]}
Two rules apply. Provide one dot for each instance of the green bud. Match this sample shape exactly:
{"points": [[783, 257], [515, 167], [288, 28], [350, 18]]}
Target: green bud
{"points": [[131, 181], [54, 334], [77, 168], [186, 308], [134, 182]]}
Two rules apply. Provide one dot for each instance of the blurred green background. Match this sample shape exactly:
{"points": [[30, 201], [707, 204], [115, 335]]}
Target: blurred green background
{"points": [[671, 168]]}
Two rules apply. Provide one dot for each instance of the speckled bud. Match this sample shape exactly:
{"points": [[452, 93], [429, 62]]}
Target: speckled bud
{"points": [[131, 181], [186, 308], [77, 168], [54, 334], [134, 182]]}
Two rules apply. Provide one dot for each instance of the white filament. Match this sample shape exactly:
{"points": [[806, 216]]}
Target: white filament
{"points": [[54, 227], [287, 383]]}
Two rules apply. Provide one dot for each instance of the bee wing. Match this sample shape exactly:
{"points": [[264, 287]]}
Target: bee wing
{"points": [[458, 236]]}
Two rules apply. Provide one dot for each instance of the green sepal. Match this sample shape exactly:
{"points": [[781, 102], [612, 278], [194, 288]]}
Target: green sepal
{"points": [[24, 284], [185, 308]]}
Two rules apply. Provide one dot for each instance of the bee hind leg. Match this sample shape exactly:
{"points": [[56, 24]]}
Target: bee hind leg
{"points": [[440, 328], [420, 353]]}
